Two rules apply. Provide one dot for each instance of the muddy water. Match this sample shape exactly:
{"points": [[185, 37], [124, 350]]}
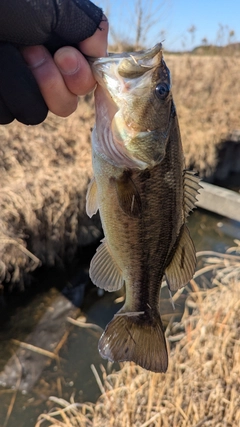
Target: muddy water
{"points": [[72, 374]]}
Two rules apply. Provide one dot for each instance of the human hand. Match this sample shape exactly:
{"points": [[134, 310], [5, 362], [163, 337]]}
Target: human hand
{"points": [[59, 79], [67, 75]]}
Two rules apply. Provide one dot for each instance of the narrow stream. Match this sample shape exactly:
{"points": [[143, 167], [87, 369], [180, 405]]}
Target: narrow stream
{"points": [[73, 374]]}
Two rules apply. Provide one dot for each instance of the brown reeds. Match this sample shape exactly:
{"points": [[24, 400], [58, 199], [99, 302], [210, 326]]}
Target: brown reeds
{"points": [[202, 384], [44, 173], [206, 91]]}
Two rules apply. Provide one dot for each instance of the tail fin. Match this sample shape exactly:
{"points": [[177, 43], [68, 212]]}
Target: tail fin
{"points": [[133, 337]]}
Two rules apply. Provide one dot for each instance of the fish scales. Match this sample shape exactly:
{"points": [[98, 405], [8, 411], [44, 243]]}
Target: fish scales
{"points": [[139, 188]]}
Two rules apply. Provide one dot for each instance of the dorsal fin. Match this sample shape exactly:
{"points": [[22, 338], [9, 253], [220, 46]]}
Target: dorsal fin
{"points": [[191, 190], [91, 198]]}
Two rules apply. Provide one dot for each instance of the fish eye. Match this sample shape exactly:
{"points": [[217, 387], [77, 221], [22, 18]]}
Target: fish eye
{"points": [[162, 90]]}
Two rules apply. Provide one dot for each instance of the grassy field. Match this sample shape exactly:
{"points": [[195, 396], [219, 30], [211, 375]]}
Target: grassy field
{"points": [[45, 170], [202, 384]]}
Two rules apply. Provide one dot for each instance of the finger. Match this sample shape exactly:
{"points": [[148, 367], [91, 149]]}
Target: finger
{"points": [[96, 45], [75, 70], [58, 98]]}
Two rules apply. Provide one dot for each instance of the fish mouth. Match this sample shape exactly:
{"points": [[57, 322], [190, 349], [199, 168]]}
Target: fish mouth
{"points": [[127, 73], [127, 64], [138, 55]]}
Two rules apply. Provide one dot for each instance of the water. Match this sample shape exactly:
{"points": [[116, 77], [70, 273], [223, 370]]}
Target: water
{"points": [[73, 373]]}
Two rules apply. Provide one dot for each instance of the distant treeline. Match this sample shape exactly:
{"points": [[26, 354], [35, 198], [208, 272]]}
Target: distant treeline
{"points": [[211, 49]]}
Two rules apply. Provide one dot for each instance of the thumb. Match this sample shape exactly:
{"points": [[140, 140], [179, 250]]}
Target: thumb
{"points": [[96, 45]]}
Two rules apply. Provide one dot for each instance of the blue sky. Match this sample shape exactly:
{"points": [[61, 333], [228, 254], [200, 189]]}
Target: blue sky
{"points": [[212, 19]]}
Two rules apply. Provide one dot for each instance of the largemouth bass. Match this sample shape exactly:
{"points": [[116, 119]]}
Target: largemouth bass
{"points": [[144, 196]]}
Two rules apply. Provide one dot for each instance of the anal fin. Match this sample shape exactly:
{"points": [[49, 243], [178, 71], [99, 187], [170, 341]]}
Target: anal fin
{"points": [[182, 267], [104, 271]]}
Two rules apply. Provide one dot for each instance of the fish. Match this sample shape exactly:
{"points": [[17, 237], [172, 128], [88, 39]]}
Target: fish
{"points": [[144, 195]]}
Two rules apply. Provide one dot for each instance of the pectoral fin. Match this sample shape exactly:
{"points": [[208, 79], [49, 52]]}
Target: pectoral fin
{"points": [[128, 196], [182, 267], [91, 198], [104, 272]]}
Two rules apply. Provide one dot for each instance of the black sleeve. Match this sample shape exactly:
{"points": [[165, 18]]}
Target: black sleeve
{"points": [[31, 22], [54, 23]]}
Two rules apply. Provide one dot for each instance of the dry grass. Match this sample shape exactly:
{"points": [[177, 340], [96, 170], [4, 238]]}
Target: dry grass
{"points": [[44, 170], [44, 174], [207, 94], [202, 384]]}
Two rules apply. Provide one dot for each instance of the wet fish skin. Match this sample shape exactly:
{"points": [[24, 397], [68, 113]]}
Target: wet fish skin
{"points": [[144, 196]]}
